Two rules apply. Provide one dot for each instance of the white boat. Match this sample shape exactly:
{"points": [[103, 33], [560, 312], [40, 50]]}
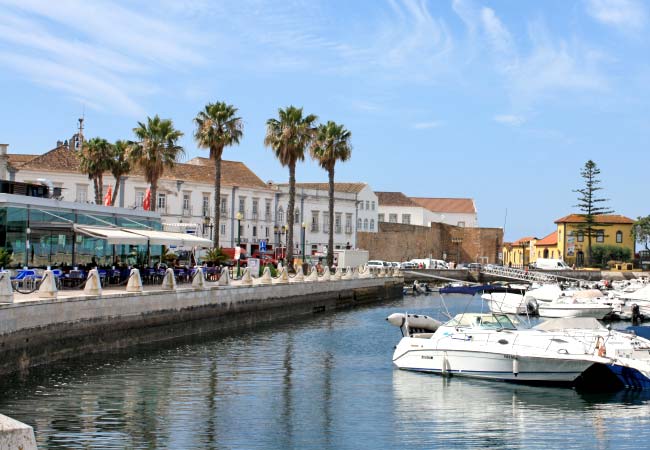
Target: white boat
{"points": [[509, 303], [571, 307], [628, 355], [489, 346]]}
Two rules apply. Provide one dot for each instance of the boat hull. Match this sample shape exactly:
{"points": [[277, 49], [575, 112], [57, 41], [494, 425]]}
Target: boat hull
{"points": [[563, 311], [630, 377]]}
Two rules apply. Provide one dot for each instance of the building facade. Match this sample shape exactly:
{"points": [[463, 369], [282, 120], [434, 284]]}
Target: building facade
{"points": [[395, 207]]}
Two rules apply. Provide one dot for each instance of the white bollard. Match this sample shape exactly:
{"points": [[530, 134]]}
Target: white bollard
{"points": [[224, 279], [326, 274], [283, 277], [48, 288], [169, 280], [313, 275], [93, 283], [382, 272], [134, 284], [266, 276], [300, 276], [246, 279], [6, 290], [198, 280], [348, 274], [337, 274]]}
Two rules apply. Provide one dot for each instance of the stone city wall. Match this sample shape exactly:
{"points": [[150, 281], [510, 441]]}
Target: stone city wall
{"points": [[401, 242]]}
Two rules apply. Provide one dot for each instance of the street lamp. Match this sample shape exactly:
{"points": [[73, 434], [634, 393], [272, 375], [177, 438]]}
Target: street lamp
{"points": [[304, 229], [239, 218], [286, 242]]}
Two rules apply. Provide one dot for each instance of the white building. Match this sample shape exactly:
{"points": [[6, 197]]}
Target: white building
{"points": [[355, 209], [395, 207]]}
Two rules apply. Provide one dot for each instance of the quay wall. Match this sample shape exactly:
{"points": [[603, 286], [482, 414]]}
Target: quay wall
{"points": [[33, 333], [16, 435], [474, 276]]}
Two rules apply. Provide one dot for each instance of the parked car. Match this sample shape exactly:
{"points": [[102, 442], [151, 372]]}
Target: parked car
{"points": [[376, 263], [474, 266], [408, 265]]}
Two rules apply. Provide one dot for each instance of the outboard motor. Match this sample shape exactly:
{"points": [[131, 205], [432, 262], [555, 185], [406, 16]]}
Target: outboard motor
{"points": [[532, 308], [636, 314]]}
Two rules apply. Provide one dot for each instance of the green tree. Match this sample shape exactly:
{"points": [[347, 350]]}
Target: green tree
{"points": [[155, 150], [590, 204], [217, 126], [288, 136], [120, 165], [331, 143], [95, 160], [641, 231], [602, 254]]}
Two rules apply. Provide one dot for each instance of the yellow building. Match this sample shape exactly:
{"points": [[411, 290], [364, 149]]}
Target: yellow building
{"points": [[610, 230], [518, 253], [547, 247]]}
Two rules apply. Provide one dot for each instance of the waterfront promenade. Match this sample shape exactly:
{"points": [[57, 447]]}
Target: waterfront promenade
{"points": [[36, 331]]}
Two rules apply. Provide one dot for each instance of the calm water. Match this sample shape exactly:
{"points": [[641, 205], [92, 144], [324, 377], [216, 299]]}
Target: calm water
{"points": [[323, 383]]}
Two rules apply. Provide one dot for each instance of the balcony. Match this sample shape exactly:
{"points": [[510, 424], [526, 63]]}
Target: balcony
{"points": [[314, 227], [254, 216], [337, 229], [348, 229], [187, 211], [267, 217], [223, 213]]}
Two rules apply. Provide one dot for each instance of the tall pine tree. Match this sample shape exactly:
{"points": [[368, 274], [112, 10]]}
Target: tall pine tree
{"points": [[590, 204]]}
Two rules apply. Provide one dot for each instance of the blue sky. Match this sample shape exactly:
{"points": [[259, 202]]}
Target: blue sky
{"points": [[500, 101]]}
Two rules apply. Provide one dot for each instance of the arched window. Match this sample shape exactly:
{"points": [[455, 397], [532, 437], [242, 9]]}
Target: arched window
{"points": [[619, 237], [372, 224], [365, 224], [280, 215]]}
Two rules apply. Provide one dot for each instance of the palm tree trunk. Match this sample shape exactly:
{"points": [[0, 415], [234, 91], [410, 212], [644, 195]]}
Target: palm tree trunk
{"points": [[95, 183], [154, 194], [290, 207], [100, 188], [330, 241], [116, 190], [217, 200]]}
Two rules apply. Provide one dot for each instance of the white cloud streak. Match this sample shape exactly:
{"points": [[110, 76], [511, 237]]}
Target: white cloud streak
{"points": [[428, 125], [509, 119], [625, 15]]}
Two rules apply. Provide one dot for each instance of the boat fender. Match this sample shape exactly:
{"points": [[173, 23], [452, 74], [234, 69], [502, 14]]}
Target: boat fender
{"points": [[600, 346], [515, 367]]}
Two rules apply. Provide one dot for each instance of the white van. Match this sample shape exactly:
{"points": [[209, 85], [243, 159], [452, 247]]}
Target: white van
{"points": [[550, 264]]}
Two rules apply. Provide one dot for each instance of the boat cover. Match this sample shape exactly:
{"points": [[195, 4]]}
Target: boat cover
{"points": [[585, 323]]}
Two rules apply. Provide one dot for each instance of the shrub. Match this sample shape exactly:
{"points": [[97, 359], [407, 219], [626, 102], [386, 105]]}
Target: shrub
{"points": [[5, 257], [604, 254]]}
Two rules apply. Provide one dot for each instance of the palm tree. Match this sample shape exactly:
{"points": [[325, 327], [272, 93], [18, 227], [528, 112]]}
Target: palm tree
{"points": [[217, 126], [288, 137], [95, 160], [155, 150], [331, 144], [120, 165]]}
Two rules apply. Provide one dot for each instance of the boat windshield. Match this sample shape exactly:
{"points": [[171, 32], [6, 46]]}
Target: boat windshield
{"points": [[486, 321]]}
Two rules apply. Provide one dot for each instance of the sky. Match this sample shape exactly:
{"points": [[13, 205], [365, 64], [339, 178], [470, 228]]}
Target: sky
{"points": [[501, 101]]}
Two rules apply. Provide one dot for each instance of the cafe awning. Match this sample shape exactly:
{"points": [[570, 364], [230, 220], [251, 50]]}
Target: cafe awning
{"points": [[113, 236], [167, 238]]}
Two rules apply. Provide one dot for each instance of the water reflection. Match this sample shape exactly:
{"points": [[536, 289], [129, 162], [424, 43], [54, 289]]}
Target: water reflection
{"points": [[326, 382]]}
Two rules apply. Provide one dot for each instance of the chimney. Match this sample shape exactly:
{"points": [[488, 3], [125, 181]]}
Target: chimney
{"points": [[3, 161], [59, 144]]}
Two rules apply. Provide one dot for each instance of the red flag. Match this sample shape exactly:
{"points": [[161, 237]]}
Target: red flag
{"points": [[146, 203], [108, 198]]}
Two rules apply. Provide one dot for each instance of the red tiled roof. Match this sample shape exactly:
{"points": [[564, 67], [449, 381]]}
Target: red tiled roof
{"points": [[350, 188], [394, 199], [448, 205], [17, 159], [551, 239], [609, 218], [523, 240], [233, 173]]}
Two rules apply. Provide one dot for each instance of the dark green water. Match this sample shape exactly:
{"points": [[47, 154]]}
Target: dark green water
{"points": [[326, 382]]}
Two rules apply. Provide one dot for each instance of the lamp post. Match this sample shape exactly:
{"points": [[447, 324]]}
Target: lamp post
{"points": [[284, 231], [239, 217], [304, 229]]}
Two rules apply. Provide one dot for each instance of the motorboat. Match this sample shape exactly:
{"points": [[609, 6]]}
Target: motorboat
{"points": [[628, 355], [571, 307], [490, 346], [510, 303]]}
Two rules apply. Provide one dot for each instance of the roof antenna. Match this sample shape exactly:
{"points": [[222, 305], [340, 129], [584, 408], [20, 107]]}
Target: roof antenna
{"points": [[505, 218], [81, 127]]}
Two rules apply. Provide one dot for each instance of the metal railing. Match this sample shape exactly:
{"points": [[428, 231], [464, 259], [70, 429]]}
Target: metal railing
{"points": [[518, 274]]}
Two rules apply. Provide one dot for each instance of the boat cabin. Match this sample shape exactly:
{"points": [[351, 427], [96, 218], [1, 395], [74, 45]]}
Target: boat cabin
{"points": [[486, 321]]}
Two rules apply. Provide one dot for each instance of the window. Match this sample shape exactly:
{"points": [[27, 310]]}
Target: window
{"points": [[205, 207], [139, 199], [223, 228], [392, 218], [359, 224], [348, 223], [326, 221], [367, 205], [372, 224], [380, 218], [296, 216], [162, 202], [186, 202], [255, 208], [82, 194], [365, 224], [314, 220], [461, 224], [581, 236], [223, 210], [242, 206], [373, 205], [267, 210], [619, 237], [337, 222], [280, 215], [600, 236], [267, 232], [406, 218], [254, 231]]}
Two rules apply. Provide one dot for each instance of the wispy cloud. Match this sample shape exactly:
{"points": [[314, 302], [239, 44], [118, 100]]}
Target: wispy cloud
{"points": [[428, 125], [509, 119], [626, 15], [100, 53]]}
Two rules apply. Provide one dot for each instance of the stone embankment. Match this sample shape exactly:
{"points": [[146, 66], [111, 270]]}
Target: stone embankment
{"points": [[53, 325], [16, 435], [475, 276]]}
